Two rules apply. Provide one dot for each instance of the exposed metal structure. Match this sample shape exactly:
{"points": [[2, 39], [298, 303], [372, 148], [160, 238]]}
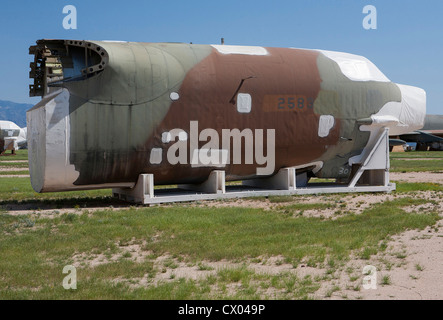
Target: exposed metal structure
{"points": [[58, 61]]}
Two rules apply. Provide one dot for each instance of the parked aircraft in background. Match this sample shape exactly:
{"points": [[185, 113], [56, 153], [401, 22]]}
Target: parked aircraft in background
{"points": [[12, 137], [430, 137]]}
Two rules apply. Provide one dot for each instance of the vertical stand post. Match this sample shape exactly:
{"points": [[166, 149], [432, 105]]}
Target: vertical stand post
{"points": [[141, 193], [216, 183]]}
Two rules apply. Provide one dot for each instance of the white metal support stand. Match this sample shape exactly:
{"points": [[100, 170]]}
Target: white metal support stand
{"points": [[375, 167]]}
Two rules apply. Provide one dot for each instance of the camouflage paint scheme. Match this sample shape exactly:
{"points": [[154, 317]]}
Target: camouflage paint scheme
{"points": [[118, 104]]}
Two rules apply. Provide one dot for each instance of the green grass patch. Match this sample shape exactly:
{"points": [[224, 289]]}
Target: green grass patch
{"points": [[21, 172], [321, 180], [14, 164], [19, 155], [33, 250], [20, 189], [414, 187], [398, 165], [416, 154]]}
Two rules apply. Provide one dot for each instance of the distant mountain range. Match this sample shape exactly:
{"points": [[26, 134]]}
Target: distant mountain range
{"points": [[15, 112]]}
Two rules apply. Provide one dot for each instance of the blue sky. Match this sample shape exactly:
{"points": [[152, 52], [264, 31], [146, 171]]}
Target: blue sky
{"points": [[407, 44]]}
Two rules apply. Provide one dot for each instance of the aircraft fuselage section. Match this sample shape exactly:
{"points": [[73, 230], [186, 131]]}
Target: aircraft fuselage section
{"points": [[180, 111]]}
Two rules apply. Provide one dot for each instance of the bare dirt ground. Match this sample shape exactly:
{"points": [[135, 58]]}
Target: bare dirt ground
{"points": [[11, 169], [411, 267], [14, 176]]}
